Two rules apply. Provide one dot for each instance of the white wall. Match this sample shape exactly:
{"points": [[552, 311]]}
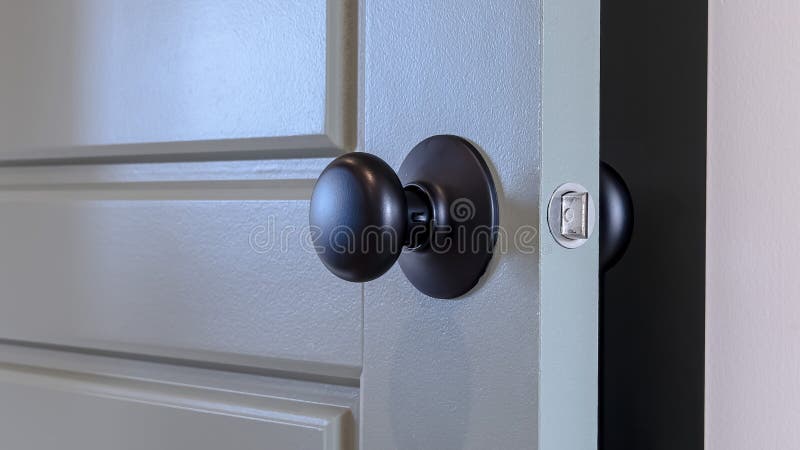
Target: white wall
{"points": [[753, 260]]}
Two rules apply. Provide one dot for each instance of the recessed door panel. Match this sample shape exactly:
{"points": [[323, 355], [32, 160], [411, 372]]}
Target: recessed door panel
{"points": [[110, 78], [58, 409], [197, 261]]}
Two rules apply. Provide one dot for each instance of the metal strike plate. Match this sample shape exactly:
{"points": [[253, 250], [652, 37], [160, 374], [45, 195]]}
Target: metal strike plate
{"points": [[574, 215], [571, 215]]}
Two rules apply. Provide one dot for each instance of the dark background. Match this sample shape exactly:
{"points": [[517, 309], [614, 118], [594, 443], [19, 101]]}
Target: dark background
{"points": [[653, 131]]}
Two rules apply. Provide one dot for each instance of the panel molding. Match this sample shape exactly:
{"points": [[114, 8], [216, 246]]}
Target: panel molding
{"points": [[312, 371], [341, 120], [331, 411], [321, 390], [270, 179], [269, 409], [302, 146]]}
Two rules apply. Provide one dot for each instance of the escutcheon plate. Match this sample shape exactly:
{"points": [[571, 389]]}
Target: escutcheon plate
{"points": [[458, 182]]}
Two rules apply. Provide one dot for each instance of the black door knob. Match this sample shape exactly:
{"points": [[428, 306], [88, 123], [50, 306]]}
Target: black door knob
{"points": [[615, 216], [364, 216]]}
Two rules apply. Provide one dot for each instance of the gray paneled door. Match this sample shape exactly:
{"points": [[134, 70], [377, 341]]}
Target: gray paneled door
{"points": [[159, 289]]}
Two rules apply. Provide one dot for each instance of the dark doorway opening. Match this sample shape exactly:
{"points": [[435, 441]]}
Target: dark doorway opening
{"points": [[653, 131]]}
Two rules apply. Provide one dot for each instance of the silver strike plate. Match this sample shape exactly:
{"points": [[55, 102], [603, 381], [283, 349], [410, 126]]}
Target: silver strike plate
{"points": [[571, 215]]}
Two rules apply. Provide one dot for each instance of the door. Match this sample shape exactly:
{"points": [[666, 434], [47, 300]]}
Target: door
{"points": [[159, 286]]}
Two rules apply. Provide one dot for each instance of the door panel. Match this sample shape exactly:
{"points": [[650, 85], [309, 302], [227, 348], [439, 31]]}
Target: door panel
{"points": [[159, 262], [55, 408], [103, 78]]}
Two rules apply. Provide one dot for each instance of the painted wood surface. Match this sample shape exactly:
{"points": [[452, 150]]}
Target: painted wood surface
{"points": [[139, 233], [111, 78]]}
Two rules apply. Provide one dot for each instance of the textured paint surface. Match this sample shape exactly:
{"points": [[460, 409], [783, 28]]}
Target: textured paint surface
{"points": [[753, 312], [456, 374], [464, 373]]}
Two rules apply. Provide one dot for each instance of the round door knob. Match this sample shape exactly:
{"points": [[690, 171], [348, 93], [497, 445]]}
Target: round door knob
{"points": [[364, 216], [615, 216], [360, 214]]}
